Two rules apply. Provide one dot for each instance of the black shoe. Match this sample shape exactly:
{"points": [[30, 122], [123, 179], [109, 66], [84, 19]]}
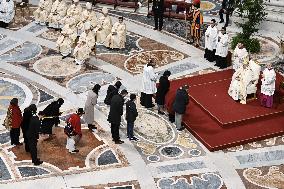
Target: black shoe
{"points": [[134, 138], [119, 142], [155, 28], [160, 29], [161, 113], [181, 129], [75, 151], [38, 162], [221, 21], [63, 57]]}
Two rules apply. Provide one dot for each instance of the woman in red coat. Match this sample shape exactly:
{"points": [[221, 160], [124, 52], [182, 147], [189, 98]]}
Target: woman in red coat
{"points": [[14, 117]]}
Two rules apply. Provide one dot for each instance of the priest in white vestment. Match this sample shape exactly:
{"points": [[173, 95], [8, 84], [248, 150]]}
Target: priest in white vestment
{"points": [[67, 39], [104, 26], [211, 36], [88, 36], [57, 13], [240, 81], [149, 87], [81, 52], [240, 53], [117, 37], [7, 12], [88, 15], [74, 11], [42, 13], [267, 86], [222, 48]]}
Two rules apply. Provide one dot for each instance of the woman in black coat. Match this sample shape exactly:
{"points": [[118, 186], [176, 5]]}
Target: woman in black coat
{"points": [[162, 90]]}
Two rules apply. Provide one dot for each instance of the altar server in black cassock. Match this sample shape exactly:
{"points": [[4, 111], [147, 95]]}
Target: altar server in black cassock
{"points": [[111, 91]]}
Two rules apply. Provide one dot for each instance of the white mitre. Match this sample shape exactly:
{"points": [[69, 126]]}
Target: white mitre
{"points": [[105, 10], [88, 5], [87, 26]]}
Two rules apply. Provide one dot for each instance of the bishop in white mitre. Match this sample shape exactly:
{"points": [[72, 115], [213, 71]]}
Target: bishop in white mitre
{"points": [[7, 12], [211, 36], [117, 37], [66, 40], [88, 15], [88, 36], [267, 86], [222, 48], [239, 55], [81, 52], [42, 13], [74, 11], [104, 26], [57, 13], [240, 81]]}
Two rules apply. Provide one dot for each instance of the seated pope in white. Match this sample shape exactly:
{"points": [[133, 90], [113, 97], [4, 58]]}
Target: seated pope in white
{"points": [[117, 37], [7, 12], [243, 79]]}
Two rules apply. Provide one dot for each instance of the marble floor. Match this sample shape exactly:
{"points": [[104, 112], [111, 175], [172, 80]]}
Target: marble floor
{"points": [[32, 70]]}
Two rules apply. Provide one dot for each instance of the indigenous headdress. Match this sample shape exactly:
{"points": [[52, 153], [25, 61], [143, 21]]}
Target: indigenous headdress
{"points": [[88, 5], [105, 10]]}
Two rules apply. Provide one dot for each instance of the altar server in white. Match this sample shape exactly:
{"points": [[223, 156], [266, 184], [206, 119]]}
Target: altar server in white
{"points": [[211, 36], [222, 49], [267, 86], [117, 37], [240, 53]]}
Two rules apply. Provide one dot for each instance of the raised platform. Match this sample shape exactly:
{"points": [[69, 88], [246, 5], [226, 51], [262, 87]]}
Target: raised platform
{"points": [[212, 111]]}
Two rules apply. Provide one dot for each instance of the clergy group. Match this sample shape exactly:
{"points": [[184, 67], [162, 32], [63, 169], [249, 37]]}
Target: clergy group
{"points": [[80, 28]]}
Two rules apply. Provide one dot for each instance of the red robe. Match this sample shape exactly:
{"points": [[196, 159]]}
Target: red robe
{"points": [[16, 116], [75, 121]]}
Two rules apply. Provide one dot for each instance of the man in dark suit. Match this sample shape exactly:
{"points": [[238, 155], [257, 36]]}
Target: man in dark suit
{"points": [[33, 134], [115, 113], [131, 114], [227, 8], [158, 10], [179, 106], [111, 91]]}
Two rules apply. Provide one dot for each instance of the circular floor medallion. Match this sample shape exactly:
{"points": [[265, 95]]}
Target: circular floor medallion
{"points": [[171, 151], [9, 89], [85, 82], [55, 66], [153, 158], [194, 152], [153, 128]]}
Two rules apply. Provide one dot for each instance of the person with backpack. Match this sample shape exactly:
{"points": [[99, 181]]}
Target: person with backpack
{"points": [[73, 130]]}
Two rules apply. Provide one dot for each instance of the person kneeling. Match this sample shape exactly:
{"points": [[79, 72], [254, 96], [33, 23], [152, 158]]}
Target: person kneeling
{"points": [[75, 134]]}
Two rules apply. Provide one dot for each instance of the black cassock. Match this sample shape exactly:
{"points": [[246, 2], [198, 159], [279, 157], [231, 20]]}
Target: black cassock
{"points": [[158, 10], [111, 91], [163, 88], [32, 135]]}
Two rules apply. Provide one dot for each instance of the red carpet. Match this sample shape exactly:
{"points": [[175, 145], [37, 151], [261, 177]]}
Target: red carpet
{"points": [[208, 116]]}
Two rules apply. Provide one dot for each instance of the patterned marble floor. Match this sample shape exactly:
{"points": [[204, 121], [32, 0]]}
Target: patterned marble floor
{"points": [[33, 71]]}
